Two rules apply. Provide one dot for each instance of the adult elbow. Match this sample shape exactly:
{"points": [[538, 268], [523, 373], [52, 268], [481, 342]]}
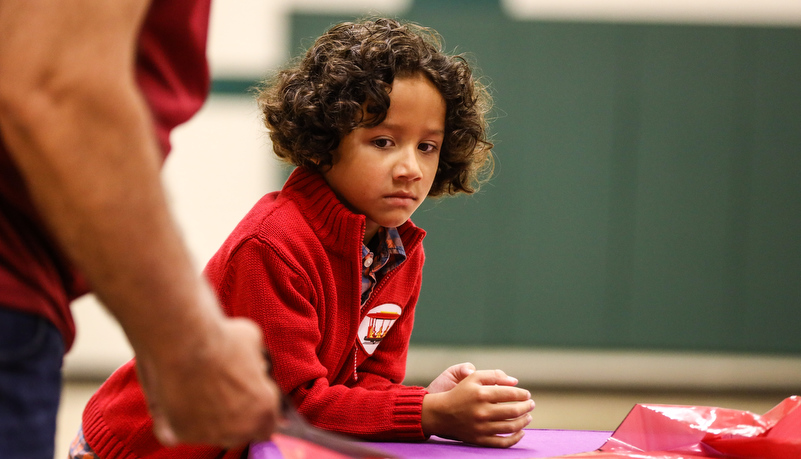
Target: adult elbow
{"points": [[22, 101], [34, 103]]}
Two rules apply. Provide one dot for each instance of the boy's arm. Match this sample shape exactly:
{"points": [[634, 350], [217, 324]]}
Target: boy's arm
{"points": [[80, 133], [261, 284], [479, 407]]}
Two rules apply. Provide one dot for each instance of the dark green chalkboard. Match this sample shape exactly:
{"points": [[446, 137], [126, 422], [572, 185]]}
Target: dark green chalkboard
{"points": [[647, 192]]}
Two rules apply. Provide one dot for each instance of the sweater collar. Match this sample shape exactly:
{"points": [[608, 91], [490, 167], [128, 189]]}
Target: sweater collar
{"points": [[330, 219]]}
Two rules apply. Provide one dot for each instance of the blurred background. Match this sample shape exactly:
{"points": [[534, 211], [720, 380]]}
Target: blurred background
{"points": [[640, 241]]}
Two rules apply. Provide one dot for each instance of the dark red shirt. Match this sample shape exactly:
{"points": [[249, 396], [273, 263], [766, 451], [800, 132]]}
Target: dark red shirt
{"points": [[172, 72]]}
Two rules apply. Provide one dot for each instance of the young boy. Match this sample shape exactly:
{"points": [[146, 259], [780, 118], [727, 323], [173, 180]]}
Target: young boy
{"points": [[376, 118]]}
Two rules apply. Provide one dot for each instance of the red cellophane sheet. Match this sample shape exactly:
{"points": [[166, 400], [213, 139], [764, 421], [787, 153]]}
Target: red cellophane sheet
{"points": [[690, 432], [296, 448]]}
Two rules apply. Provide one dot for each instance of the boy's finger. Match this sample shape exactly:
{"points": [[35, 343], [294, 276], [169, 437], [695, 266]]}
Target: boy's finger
{"points": [[507, 426], [494, 377], [504, 394], [499, 441], [511, 411]]}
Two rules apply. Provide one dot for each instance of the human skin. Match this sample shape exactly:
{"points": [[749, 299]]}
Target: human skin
{"points": [[385, 172], [480, 407], [80, 133]]}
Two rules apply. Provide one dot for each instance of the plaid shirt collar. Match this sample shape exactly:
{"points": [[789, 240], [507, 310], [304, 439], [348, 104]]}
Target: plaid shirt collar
{"points": [[389, 255]]}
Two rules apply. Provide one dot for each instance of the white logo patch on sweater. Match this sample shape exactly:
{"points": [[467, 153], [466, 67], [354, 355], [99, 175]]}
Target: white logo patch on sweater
{"points": [[376, 324]]}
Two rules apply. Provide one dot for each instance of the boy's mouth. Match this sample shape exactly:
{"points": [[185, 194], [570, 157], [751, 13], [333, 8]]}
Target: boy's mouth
{"points": [[402, 195]]}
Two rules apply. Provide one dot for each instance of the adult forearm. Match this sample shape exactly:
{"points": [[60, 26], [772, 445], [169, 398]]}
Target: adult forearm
{"points": [[77, 128], [80, 133], [92, 167]]}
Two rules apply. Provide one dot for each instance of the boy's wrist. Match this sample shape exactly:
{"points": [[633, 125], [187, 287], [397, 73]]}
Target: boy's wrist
{"points": [[429, 420]]}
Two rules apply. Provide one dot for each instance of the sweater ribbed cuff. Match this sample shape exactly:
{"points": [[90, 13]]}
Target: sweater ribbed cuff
{"points": [[100, 438], [408, 414]]}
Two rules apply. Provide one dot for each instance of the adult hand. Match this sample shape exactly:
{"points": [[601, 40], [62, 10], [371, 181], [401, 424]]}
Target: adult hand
{"points": [[483, 409], [217, 394]]}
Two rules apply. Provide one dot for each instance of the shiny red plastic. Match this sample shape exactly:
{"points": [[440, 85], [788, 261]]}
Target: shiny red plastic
{"points": [[690, 432]]}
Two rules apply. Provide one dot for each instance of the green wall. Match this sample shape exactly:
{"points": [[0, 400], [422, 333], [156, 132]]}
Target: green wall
{"points": [[647, 191]]}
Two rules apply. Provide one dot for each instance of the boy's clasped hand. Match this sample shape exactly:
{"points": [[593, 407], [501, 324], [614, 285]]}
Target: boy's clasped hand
{"points": [[482, 407]]}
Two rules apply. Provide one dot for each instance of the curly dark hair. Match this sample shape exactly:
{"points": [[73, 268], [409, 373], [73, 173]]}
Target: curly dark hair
{"points": [[311, 105]]}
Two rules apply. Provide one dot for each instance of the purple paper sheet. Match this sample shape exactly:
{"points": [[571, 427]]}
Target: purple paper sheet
{"points": [[535, 444]]}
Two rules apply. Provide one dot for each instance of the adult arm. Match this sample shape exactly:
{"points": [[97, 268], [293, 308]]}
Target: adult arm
{"points": [[80, 133]]}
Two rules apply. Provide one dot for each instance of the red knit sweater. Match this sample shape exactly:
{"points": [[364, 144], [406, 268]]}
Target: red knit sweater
{"points": [[293, 266]]}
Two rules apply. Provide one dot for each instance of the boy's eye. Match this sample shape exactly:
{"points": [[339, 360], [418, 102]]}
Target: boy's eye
{"points": [[382, 143], [427, 147]]}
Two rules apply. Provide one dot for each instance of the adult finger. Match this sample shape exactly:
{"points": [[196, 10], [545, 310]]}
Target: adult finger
{"points": [[162, 429], [161, 425], [270, 418]]}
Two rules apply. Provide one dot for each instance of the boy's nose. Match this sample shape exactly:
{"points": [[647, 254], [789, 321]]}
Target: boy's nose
{"points": [[408, 166]]}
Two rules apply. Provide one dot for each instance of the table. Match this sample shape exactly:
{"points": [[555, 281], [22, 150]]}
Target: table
{"points": [[537, 443]]}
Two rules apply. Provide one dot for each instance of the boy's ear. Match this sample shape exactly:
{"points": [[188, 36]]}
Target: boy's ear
{"points": [[317, 160], [322, 165], [332, 158]]}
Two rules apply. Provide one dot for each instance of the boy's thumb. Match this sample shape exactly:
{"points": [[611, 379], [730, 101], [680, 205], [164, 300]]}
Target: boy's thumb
{"points": [[468, 369]]}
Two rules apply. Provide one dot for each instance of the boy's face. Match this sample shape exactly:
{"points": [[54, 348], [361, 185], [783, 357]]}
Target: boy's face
{"points": [[385, 172]]}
